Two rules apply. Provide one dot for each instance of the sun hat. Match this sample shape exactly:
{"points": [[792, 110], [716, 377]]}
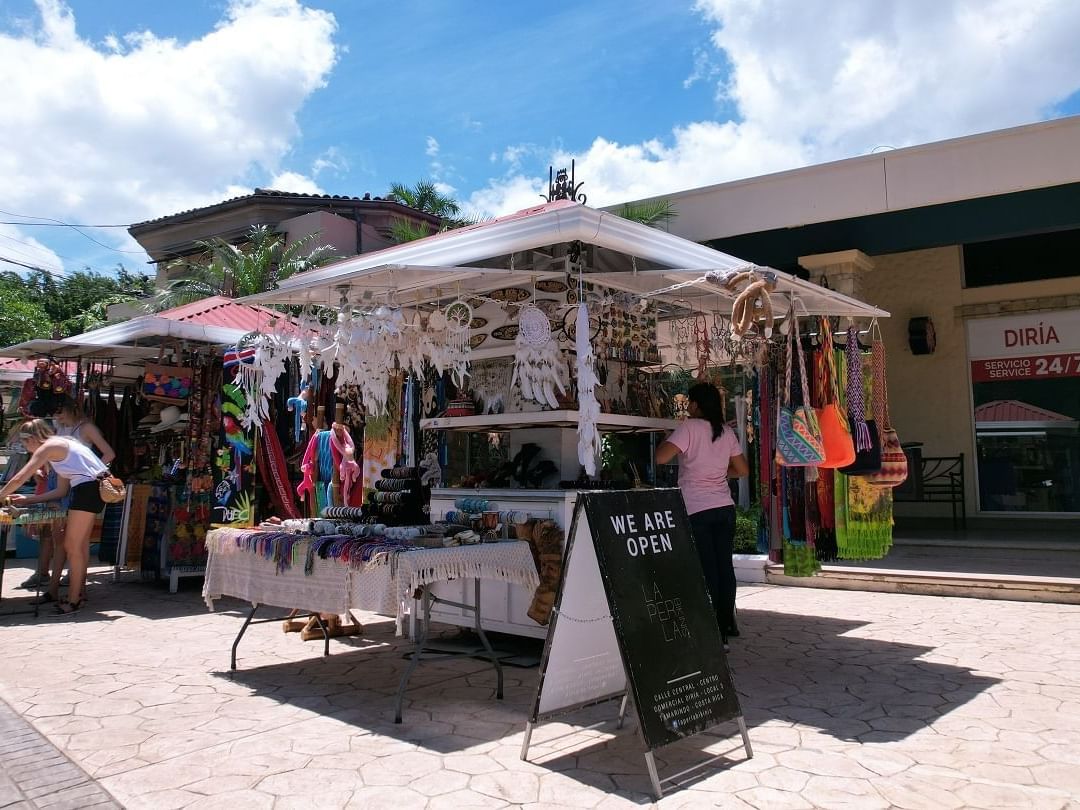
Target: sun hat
{"points": [[171, 416]]}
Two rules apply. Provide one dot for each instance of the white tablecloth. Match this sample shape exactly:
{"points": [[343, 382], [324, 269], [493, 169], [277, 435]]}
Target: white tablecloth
{"points": [[334, 587]]}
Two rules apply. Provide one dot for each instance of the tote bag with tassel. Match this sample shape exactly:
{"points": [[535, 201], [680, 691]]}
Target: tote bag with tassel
{"points": [[835, 431], [864, 431], [798, 437], [894, 463]]}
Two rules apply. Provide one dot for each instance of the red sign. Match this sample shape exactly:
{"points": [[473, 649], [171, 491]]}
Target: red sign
{"points": [[1042, 367]]}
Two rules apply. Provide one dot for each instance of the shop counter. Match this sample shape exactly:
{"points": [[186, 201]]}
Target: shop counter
{"points": [[505, 604]]}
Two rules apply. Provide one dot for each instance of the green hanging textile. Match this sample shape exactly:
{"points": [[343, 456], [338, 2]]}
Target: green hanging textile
{"points": [[799, 559], [864, 513]]}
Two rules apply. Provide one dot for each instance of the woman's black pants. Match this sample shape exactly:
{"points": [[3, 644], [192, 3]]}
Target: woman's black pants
{"points": [[714, 536]]}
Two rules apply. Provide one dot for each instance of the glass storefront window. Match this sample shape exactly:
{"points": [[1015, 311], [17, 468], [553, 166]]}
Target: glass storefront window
{"points": [[1028, 445], [1025, 383]]}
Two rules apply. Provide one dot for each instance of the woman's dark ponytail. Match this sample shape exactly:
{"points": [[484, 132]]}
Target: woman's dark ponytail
{"points": [[707, 398]]}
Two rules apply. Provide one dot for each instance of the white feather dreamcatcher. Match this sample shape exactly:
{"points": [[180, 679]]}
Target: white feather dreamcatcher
{"points": [[588, 406], [258, 379], [536, 358], [459, 316]]}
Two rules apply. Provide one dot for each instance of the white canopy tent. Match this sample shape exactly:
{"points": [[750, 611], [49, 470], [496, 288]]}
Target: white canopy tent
{"points": [[533, 245]]}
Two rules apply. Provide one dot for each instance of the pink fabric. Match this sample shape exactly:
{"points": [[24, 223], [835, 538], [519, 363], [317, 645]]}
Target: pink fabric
{"points": [[306, 488], [348, 469], [703, 464]]}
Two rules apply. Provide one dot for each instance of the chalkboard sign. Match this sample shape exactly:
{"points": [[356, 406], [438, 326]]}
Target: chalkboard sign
{"points": [[637, 547]]}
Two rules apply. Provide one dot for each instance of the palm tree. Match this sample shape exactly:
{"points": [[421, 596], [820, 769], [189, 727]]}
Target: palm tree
{"points": [[653, 213], [424, 196], [238, 270]]}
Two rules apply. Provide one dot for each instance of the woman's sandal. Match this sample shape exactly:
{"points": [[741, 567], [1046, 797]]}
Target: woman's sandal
{"points": [[65, 609]]}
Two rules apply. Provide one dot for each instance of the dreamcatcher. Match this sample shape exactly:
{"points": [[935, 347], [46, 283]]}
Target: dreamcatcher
{"points": [[260, 360], [536, 357], [489, 381], [446, 341], [682, 332]]}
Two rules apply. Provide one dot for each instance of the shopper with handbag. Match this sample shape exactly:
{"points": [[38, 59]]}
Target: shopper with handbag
{"points": [[709, 456], [71, 421], [79, 472]]}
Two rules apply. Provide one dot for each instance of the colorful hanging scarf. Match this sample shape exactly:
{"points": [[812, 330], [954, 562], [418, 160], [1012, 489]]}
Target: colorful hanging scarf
{"points": [[863, 512]]}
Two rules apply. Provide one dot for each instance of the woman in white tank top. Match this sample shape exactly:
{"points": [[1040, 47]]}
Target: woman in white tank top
{"points": [[77, 468]]}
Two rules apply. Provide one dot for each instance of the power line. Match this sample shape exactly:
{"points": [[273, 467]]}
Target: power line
{"points": [[34, 267], [36, 247], [53, 224], [61, 223]]}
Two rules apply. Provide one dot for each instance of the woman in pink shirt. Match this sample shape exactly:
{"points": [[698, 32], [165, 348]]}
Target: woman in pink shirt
{"points": [[709, 455]]}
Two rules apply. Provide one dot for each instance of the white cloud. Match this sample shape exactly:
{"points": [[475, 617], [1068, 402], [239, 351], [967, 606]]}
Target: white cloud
{"points": [[818, 81], [432, 147], [17, 250], [295, 182], [97, 132], [330, 160]]}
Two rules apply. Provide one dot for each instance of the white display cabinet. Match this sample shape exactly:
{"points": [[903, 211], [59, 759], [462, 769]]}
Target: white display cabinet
{"points": [[504, 606]]}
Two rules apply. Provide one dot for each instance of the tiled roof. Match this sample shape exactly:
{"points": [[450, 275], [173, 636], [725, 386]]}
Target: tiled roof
{"points": [[274, 193], [1011, 410], [220, 311]]}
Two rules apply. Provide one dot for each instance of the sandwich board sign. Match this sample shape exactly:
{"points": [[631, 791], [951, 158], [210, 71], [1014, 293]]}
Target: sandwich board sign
{"points": [[633, 617]]}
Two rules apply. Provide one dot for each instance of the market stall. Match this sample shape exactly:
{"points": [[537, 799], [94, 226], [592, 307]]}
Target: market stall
{"points": [[516, 362], [153, 386]]}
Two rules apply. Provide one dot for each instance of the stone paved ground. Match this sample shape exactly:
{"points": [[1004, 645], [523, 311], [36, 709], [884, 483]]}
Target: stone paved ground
{"points": [[34, 774], [862, 700]]}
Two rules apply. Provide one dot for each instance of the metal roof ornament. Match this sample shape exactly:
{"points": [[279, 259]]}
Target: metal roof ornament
{"points": [[563, 187]]}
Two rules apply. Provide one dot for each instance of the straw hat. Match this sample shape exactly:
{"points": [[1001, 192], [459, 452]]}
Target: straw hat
{"points": [[170, 417]]}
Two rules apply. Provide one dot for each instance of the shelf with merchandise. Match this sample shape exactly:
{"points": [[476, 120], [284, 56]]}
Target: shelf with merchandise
{"points": [[608, 422]]}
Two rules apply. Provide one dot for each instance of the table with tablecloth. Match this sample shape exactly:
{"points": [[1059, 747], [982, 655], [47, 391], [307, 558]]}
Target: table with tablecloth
{"points": [[332, 585], [317, 576]]}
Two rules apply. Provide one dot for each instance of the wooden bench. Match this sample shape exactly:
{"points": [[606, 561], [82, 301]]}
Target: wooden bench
{"points": [[940, 479]]}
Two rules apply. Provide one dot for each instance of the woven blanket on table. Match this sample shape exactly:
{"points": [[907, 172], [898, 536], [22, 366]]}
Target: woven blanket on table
{"points": [[379, 585], [330, 587], [507, 562]]}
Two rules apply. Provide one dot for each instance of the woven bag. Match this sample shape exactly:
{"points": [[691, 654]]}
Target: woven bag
{"points": [[864, 431], [835, 430], [798, 437], [111, 489], [894, 463]]}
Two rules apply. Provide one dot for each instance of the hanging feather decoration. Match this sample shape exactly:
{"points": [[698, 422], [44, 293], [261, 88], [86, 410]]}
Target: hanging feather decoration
{"points": [[536, 358], [588, 406]]}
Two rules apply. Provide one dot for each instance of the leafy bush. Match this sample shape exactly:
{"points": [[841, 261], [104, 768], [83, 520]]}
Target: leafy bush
{"points": [[746, 530]]}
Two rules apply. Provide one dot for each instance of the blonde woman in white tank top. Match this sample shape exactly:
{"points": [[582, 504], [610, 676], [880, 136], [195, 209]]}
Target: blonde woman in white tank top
{"points": [[70, 421], [77, 468]]}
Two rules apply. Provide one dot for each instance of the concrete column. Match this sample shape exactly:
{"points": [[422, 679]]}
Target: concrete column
{"points": [[844, 270]]}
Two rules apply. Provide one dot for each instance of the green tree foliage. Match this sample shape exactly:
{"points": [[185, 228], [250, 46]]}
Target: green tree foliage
{"points": [[424, 196], [47, 304], [20, 318], [653, 213], [238, 270]]}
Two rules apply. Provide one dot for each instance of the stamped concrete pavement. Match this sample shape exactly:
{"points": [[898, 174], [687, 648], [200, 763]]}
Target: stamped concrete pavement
{"points": [[852, 699]]}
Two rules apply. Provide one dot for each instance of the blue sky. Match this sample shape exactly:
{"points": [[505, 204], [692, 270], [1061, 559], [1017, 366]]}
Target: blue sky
{"points": [[123, 111]]}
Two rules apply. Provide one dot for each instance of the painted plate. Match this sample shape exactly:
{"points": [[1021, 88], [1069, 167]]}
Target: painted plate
{"points": [[569, 325], [549, 306], [478, 323], [511, 294], [507, 332], [477, 339], [551, 285]]}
